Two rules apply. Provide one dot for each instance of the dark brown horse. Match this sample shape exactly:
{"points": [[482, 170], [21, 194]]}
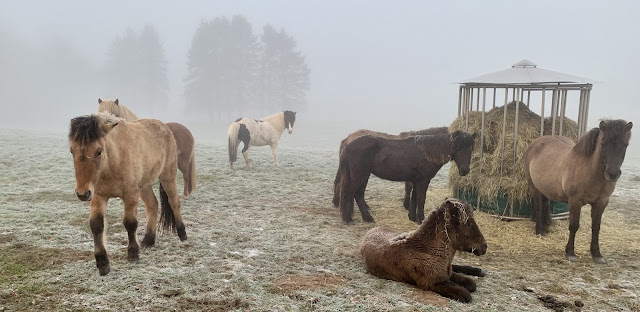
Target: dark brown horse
{"points": [[115, 158], [416, 159], [423, 257], [408, 186], [577, 174]]}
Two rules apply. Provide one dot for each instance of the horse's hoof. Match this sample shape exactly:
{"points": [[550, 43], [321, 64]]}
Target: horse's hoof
{"points": [[482, 273], [599, 260], [104, 270], [572, 258], [349, 222]]}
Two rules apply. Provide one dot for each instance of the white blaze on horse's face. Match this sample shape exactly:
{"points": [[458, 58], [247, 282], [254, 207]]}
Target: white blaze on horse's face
{"points": [[290, 128], [86, 161]]}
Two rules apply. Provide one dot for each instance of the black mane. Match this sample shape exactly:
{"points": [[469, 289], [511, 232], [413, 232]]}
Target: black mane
{"points": [[587, 144], [84, 129]]}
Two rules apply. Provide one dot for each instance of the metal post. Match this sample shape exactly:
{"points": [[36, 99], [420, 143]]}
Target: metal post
{"points": [[554, 107], [471, 100], [542, 113], [466, 111], [494, 97], [459, 101], [504, 128], [478, 101], [528, 97], [581, 112], [515, 132], [562, 110], [586, 110], [484, 100]]}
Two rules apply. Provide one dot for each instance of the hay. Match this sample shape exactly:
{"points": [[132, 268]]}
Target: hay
{"points": [[492, 176]]}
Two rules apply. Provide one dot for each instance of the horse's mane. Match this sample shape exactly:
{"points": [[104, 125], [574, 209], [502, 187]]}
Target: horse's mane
{"points": [[587, 144], [438, 145], [429, 225], [86, 129]]}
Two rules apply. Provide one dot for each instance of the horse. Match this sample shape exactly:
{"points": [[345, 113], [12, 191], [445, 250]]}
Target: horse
{"points": [[182, 135], [114, 107], [408, 186], [423, 257], [578, 173], [115, 158], [251, 132], [416, 159]]}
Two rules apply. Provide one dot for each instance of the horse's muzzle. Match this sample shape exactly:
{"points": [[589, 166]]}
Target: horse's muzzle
{"points": [[84, 197], [463, 172], [480, 250], [290, 131], [612, 176]]}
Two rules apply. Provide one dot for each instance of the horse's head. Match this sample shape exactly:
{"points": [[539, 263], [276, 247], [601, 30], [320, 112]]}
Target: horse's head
{"points": [[462, 144], [109, 106], [462, 228], [289, 120], [615, 136], [86, 142]]}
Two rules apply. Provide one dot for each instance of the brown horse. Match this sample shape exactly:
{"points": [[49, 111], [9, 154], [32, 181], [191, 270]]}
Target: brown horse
{"points": [[184, 140], [408, 186], [577, 174], [416, 159], [423, 257], [115, 158]]}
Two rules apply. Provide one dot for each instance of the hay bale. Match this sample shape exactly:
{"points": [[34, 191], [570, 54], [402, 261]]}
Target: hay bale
{"points": [[492, 175]]}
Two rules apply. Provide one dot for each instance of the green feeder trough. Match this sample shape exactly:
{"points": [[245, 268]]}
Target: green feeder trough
{"points": [[503, 208]]}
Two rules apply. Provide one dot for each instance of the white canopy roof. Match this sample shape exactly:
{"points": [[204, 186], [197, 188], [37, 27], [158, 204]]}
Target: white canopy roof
{"points": [[526, 72]]}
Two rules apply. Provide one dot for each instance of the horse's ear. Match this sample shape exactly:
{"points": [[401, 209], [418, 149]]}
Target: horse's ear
{"points": [[628, 126], [99, 100], [106, 127], [117, 102], [602, 125]]}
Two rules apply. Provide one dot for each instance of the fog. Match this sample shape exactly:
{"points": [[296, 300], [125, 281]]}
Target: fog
{"points": [[382, 65]]}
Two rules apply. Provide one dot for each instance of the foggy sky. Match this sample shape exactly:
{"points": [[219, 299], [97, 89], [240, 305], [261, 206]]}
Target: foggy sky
{"points": [[392, 64]]}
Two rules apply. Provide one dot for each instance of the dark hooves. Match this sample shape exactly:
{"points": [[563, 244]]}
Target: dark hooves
{"points": [[105, 270]]}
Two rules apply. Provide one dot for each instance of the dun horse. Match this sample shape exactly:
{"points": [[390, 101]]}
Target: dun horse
{"points": [[416, 159], [251, 132], [577, 174], [423, 257], [408, 186], [115, 158], [182, 135]]}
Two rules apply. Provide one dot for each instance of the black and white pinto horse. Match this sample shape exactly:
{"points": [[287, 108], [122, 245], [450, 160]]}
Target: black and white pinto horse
{"points": [[251, 132]]}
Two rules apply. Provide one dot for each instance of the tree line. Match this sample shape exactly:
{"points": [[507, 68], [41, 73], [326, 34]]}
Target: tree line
{"points": [[230, 69]]}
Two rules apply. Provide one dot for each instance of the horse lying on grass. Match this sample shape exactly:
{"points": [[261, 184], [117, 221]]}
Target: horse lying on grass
{"points": [[115, 158], [423, 257]]}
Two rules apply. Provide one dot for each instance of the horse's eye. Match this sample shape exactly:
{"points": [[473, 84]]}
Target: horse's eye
{"points": [[98, 153]]}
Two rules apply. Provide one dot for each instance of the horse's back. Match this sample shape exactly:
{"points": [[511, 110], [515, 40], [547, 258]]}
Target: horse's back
{"points": [[545, 164], [153, 142], [182, 136], [376, 251]]}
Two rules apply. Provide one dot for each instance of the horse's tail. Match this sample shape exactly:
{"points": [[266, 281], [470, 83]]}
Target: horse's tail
{"points": [[343, 144], [234, 129], [167, 218], [192, 171], [343, 181]]}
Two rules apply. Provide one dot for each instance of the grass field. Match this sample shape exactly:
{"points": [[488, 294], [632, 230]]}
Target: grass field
{"points": [[268, 239]]}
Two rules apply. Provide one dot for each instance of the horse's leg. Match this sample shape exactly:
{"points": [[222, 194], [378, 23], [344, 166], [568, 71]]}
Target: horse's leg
{"points": [[96, 222], [451, 290], [538, 212], [274, 151], [545, 205], [174, 201], [413, 202], [468, 270], [408, 186], [245, 154], [183, 166], [463, 281], [421, 189], [574, 224], [130, 222], [596, 218], [362, 205], [151, 208]]}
